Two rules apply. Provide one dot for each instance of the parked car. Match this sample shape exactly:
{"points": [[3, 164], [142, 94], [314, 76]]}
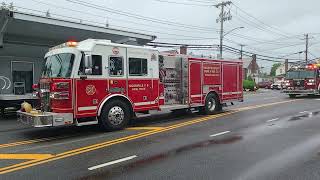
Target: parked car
{"points": [[265, 84], [276, 86]]}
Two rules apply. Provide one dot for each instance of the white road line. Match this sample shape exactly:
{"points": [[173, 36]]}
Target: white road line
{"points": [[270, 98], [218, 134], [112, 162], [271, 120], [303, 112], [317, 99]]}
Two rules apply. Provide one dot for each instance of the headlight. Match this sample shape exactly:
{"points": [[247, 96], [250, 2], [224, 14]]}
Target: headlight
{"points": [[59, 95]]}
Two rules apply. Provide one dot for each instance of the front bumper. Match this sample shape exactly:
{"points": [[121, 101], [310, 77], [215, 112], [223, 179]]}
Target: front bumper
{"points": [[45, 119], [301, 91]]}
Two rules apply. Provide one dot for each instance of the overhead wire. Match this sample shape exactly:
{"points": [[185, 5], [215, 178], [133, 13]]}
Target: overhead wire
{"points": [[260, 21], [183, 3], [137, 16]]}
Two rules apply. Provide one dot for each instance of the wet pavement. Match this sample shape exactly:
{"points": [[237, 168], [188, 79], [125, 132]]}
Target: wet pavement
{"points": [[269, 136]]}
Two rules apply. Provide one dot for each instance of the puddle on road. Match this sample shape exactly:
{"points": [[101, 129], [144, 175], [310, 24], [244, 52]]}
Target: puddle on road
{"points": [[104, 173], [304, 116]]}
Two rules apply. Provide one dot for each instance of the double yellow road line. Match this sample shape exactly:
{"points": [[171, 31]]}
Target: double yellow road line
{"points": [[153, 130]]}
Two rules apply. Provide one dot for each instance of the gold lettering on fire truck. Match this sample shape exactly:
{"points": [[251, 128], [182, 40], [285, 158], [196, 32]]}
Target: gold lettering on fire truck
{"points": [[211, 71], [138, 87], [90, 90]]}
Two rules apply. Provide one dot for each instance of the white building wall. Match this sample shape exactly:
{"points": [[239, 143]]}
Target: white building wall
{"points": [[281, 70]]}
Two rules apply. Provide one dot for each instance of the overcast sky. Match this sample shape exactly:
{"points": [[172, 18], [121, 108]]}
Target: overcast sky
{"points": [[282, 23]]}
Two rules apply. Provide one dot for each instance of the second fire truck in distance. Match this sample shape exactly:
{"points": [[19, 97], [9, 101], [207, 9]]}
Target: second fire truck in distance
{"points": [[303, 81], [99, 82]]}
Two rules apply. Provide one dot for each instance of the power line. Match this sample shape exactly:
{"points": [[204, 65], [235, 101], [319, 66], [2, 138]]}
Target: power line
{"points": [[229, 47], [255, 25], [125, 28], [104, 17], [137, 16], [186, 4], [258, 20]]}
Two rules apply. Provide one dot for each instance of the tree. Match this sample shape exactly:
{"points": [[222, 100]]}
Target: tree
{"points": [[274, 68]]}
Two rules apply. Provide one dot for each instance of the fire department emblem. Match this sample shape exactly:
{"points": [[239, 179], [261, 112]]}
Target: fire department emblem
{"points": [[115, 51], [90, 90]]}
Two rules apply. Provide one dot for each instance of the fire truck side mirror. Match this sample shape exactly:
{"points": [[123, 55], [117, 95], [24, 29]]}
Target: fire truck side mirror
{"points": [[88, 64], [87, 61]]}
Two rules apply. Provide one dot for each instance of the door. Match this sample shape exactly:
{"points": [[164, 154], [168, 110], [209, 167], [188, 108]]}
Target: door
{"points": [[90, 92], [143, 79], [117, 72], [230, 81], [195, 82], [22, 76]]}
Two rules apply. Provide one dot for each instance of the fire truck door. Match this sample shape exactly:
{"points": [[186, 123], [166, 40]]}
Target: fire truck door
{"points": [[141, 88], [117, 74], [195, 82], [90, 90]]}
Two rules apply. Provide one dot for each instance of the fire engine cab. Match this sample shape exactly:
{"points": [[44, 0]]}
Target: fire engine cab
{"points": [[99, 82], [303, 80]]}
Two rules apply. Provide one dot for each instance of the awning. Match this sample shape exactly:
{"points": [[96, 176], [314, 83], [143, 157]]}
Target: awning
{"points": [[35, 30]]}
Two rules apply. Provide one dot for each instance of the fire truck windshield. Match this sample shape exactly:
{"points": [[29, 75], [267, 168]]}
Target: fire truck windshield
{"points": [[58, 65], [300, 74]]}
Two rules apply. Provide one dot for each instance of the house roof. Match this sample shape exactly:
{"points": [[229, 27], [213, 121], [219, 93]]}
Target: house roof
{"points": [[246, 62]]}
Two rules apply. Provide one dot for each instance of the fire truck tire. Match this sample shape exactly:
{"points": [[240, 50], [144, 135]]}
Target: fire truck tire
{"points": [[212, 104], [115, 115], [292, 95]]}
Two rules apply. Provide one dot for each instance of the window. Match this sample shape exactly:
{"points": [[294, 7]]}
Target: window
{"points": [[138, 67], [58, 65], [22, 76], [96, 65], [116, 66]]}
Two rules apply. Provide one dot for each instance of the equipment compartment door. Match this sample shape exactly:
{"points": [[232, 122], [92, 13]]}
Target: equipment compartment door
{"points": [[230, 81], [195, 81]]}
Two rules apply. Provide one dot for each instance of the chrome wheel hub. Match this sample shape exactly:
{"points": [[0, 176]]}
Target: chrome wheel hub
{"points": [[211, 104], [116, 115]]}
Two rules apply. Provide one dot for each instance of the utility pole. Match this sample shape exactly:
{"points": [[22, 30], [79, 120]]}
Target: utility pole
{"points": [[241, 50], [223, 17], [286, 66], [307, 46]]}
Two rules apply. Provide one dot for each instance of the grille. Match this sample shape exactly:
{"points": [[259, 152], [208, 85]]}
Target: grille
{"points": [[298, 83], [45, 96]]}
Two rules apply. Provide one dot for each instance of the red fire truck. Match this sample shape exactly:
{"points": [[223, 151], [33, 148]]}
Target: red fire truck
{"points": [[99, 82], [303, 80]]}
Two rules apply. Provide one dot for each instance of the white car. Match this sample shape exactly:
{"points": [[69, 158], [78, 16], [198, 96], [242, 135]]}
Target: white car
{"points": [[276, 86]]}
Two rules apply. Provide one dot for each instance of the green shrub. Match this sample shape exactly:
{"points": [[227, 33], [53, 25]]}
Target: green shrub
{"points": [[249, 78], [247, 84]]}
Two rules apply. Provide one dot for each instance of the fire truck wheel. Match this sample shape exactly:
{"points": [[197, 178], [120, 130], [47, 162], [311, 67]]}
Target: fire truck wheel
{"points": [[292, 95], [115, 115], [212, 104]]}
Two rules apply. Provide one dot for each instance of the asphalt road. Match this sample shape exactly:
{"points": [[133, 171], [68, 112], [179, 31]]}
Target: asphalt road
{"points": [[269, 136]]}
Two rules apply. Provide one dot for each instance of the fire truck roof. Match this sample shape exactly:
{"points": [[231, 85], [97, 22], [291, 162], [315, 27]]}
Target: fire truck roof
{"points": [[88, 45]]}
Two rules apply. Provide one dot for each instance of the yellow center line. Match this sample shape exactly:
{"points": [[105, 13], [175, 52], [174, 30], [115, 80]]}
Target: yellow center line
{"points": [[25, 156], [32, 141], [127, 138], [144, 128]]}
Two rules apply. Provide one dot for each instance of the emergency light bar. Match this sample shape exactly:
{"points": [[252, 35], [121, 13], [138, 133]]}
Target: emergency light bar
{"points": [[66, 44], [313, 66]]}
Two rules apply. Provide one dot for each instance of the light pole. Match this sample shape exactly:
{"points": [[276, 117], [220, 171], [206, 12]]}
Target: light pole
{"points": [[223, 35]]}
